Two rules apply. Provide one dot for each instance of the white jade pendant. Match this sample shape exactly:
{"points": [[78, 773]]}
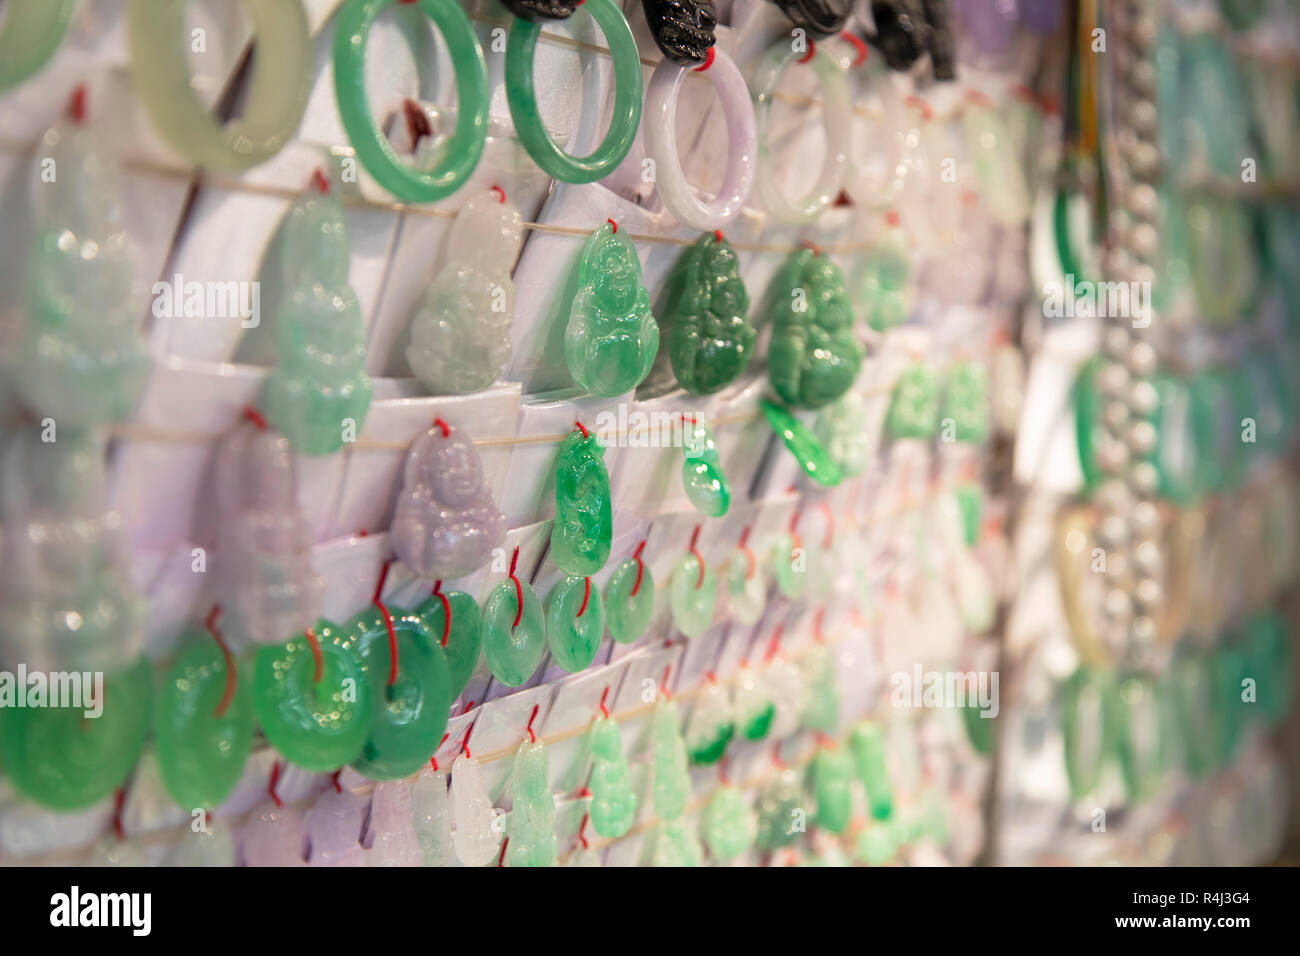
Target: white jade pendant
{"points": [[477, 836]]}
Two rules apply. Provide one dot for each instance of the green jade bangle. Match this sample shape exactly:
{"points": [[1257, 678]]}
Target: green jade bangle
{"points": [[521, 94], [30, 32], [157, 32], [376, 153]]}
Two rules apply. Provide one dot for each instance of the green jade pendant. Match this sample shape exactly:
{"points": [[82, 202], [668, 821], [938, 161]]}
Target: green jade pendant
{"points": [[692, 595], [319, 394], [914, 406], [32, 30], [867, 744], [672, 778], [64, 760], [410, 696], [811, 454], [813, 357], [1270, 658], [1141, 716], [729, 825], [629, 599], [514, 640], [702, 310], [790, 566], [702, 476], [710, 726], [839, 429], [832, 777], [532, 818], [1087, 727], [781, 816], [753, 706], [203, 725], [612, 338], [319, 724], [875, 844], [462, 641], [675, 844], [746, 587], [821, 710], [584, 522], [613, 802], [884, 283], [965, 404], [575, 623]]}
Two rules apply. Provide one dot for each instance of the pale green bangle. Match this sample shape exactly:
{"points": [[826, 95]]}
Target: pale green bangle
{"points": [[156, 34], [31, 31], [374, 150], [521, 94]]}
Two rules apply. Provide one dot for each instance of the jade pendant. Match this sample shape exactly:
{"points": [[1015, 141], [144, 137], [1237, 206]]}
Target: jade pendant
{"points": [[711, 725], [1228, 671], [408, 714], [672, 778], [202, 735], [970, 502], [460, 336], [1087, 727], [1141, 717], [629, 601], [463, 640], [477, 835], [753, 706], [692, 596], [611, 340], [884, 283], [840, 428], [319, 725], [875, 845], [979, 729], [822, 697], [807, 449], [64, 760], [813, 357], [513, 651], [964, 411], [832, 776], [784, 684], [702, 309], [613, 802], [675, 844], [319, 393], [867, 743], [532, 816], [790, 566], [729, 825], [584, 523], [431, 817], [781, 815], [914, 406], [746, 586], [702, 475], [575, 623]]}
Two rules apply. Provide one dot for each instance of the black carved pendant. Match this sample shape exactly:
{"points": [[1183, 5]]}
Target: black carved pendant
{"points": [[536, 10], [943, 52], [683, 29], [902, 32], [822, 18]]}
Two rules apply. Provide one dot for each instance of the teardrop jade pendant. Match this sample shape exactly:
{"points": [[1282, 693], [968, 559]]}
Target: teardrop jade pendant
{"points": [[746, 587], [64, 760], [781, 817], [584, 523], [702, 475], [532, 819], [203, 725], [812, 456], [832, 775], [409, 708], [692, 596], [813, 357], [702, 309], [629, 600], [753, 706], [513, 650], [914, 407], [613, 802], [729, 824], [867, 742], [611, 339], [575, 623], [462, 640], [675, 844], [672, 778], [317, 724], [710, 726]]}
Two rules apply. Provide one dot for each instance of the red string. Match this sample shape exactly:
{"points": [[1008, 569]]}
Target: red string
{"points": [[77, 105], [446, 429], [708, 61], [858, 44], [388, 622], [749, 554], [532, 737], [818, 620], [256, 417], [321, 180], [604, 711], [812, 246], [830, 526], [586, 596], [501, 860], [464, 741], [717, 234], [892, 218], [275, 779], [640, 566], [500, 192], [232, 677], [812, 50], [794, 521], [711, 677], [722, 771], [446, 611], [776, 755], [433, 761], [582, 831], [119, 801], [582, 428], [695, 537], [614, 224], [334, 779], [774, 642], [663, 682], [519, 588], [316, 654]]}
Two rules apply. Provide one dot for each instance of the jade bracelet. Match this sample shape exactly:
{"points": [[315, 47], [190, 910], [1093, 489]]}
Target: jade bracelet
{"points": [[30, 32]]}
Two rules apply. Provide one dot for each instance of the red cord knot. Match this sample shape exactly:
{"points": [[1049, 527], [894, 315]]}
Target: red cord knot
{"points": [[794, 524], [892, 219], [582, 831], [917, 103], [77, 105], [501, 860], [443, 426], [774, 642], [519, 588], [640, 566], [582, 428], [500, 192], [315, 653], [532, 736], [433, 761], [812, 51], [586, 596], [464, 741], [614, 224], [708, 61], [321, 181], [699, 558], [446, 611], [717, 234], [829, 537], [819, 623], [119, 803], [256, 417], [232, 677], [388, 621]]}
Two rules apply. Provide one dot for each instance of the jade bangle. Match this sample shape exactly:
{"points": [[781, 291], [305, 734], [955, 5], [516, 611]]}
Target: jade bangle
{"points": [[30, 32], [374, 150], [521, 94], [156, 31]]}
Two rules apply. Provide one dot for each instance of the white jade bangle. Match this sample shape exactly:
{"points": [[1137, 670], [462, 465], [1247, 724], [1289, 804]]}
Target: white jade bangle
{"points": [[837, 119], [661, 141]]}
